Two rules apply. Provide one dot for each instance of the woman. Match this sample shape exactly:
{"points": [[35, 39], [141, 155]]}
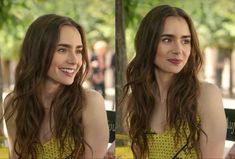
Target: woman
{"points": [[49, 114], [169, 113], [231, 153]]}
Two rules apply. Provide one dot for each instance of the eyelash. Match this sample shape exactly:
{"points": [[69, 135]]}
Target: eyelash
{"points": [[184, 41], [78, 51], [166, 40], [62, 50]]}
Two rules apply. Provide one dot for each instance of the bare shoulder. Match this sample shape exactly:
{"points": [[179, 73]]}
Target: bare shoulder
{"points": [[95, 124], [210, 96], [7, 99], [213, 121], [7, 108], [93, 98], [90, 93], [94, 105], [9, 120], [210, 103], [205, 86]]}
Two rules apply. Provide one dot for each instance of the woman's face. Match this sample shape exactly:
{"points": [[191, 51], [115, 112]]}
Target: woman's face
{"points": [[67, 58], [174, 46]]}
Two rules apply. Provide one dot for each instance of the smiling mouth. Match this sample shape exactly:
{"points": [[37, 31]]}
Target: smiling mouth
{"points": [[68, 71], [175, 61]]}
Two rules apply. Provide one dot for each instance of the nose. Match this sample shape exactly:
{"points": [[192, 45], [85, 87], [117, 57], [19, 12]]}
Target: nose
{"points": [[177, 49]]}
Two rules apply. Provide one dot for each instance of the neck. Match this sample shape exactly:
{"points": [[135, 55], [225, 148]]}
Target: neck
{"points": [[163, 81], [48, 93]]}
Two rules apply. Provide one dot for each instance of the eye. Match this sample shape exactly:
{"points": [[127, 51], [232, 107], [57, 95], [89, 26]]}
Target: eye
{"points": [[166, 40], [79, 51], [61, 50], [186, 41]]}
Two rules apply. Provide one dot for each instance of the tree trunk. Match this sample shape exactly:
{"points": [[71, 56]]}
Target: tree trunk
{"points": [[228, 54], [1, 83], [230, 75], [120, 62], [6, 74]]}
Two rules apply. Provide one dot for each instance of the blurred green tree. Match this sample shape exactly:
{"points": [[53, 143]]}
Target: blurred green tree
{"points": [[16, 15]]}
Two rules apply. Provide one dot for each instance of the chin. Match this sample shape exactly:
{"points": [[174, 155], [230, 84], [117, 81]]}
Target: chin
{"points": [[67, 83], [176, 71]]}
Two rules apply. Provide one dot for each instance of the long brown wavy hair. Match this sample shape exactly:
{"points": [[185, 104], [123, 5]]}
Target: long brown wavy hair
{"points": [[25, 104], [140, 90]]}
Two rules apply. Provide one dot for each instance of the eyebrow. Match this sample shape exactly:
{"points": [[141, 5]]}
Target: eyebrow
{"points": [[171, 35], [69, 46]]}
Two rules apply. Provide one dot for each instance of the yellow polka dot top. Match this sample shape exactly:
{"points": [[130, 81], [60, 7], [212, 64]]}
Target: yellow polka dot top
{"points": [[161, 146], [50, 150]]}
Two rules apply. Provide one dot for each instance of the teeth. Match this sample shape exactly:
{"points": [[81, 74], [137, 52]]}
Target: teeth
{"points": [[67, 70]]}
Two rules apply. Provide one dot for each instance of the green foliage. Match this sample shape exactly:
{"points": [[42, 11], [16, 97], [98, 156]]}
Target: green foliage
{"points": [[214, 20], [95, 16], [10, 30], [5, 6]]}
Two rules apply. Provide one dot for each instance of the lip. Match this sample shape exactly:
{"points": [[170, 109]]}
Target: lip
{"points": [[68, 71], [175, 61]]}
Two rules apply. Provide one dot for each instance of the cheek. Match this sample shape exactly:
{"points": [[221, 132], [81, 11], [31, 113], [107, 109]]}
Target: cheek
{"points": [[52, 69], [57, 59], [52, 65], [188, 51], [161, 51], [80, 60], [159, 56], [79, 63], [159, 59], [187, 55]]}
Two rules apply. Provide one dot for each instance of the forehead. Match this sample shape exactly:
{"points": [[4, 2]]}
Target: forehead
{"points": [[176, 25], [69, 34]]}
